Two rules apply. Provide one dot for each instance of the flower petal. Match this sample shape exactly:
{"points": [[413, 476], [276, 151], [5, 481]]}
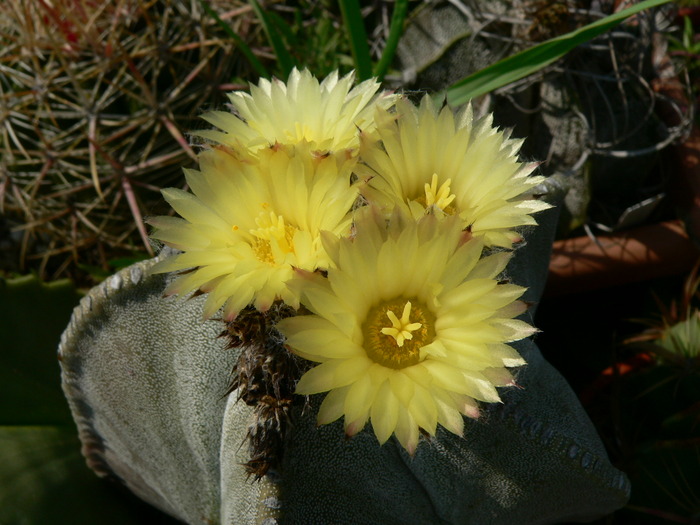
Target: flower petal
{"points": [[332, 374], [424, 410], [332, 406], [384, 412], [407, 431], [360, 398]]}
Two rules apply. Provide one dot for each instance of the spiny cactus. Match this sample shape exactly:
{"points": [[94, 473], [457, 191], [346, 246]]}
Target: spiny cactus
{"points": [[94, 98]]}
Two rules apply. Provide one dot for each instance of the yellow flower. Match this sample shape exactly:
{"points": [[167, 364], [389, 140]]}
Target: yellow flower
{"points": [[410, 327], [247, 226], [434, 160], [325, 115]]}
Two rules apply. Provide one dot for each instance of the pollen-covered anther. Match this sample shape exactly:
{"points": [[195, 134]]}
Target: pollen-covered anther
{"points": [[439, 197], [272, 227], [401, 328]]}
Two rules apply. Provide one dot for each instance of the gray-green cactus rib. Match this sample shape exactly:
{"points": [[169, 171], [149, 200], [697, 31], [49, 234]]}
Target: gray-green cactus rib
{"points": [[534, 459], [243, 501], [144, 377]]}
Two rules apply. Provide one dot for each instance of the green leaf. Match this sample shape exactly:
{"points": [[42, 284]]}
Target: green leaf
{"points": [[284, 28], [43, 476], [44, 480], [242, 46], [285, 60], [355, 27], [688, 32], [533, 59], [395, 32], [32, 317]]}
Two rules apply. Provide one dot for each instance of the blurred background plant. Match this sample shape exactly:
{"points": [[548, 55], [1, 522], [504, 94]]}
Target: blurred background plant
{"points": [[684, 48], [641, 388], [97, 98]]}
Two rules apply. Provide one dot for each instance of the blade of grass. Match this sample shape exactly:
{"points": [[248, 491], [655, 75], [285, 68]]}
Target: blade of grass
{"points": [[395, 32], [535, 58], [284, 29], [285, 60], [355, 27], [242, 46]]}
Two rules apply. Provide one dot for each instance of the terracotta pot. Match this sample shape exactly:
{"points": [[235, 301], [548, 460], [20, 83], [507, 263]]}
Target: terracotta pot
{"points": [[583, 263], [651, 251]]}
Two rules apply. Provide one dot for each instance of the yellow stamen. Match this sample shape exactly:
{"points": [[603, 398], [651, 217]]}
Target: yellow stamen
{"points": [[399, 345], [438, 197], [401, 328], [272, 229]]}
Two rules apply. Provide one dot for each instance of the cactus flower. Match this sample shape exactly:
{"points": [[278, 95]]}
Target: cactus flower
{"points": [[410, 328], [451, 164], [247, 226], [325, 115]]}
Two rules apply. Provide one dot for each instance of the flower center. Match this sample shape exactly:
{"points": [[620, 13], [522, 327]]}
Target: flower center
{"points": [[396, 342], [401, 328], [272, 230], [439, 197]]}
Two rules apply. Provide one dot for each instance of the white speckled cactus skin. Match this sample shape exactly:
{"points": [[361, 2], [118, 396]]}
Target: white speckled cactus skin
{"points": [[144, 377]]}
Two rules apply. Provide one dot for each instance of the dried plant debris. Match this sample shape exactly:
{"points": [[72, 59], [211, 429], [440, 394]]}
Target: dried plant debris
{"points": [[264, 377]]}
